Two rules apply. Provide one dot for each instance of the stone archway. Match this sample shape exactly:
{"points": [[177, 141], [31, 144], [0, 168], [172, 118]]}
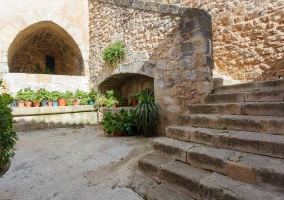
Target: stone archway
{"points": [[38, 44]]}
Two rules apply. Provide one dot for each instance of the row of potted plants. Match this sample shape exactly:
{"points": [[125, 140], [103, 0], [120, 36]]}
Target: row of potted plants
{"points": [[42, 97]]}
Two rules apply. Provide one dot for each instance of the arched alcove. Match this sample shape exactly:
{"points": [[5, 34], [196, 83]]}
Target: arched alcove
{"points": [[45, 47], [127, 83]]}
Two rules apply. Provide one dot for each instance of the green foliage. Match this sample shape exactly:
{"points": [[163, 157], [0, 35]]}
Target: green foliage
{"points": [[124, 121], [8, 137], [26, 95], [147, 111], [38, 70], [69, 102], [43, 94], [84, 101], [69, 95], [79, 94], [93, 95], [54, 95], [114, 53]]}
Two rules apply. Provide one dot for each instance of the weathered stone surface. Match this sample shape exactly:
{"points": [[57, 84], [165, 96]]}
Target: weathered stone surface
{"points": [[241, 172], [183, 176], [269, 85], [263, 109], [223, 98], [221, 187], [230, 108], [265, 96], [142, 184], [244, 87], [151, 164], [163, 191], [172, 148]]}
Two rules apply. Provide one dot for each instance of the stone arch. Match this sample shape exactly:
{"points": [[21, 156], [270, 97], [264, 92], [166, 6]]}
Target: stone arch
{"points": [[34, 46], [24, 20]]}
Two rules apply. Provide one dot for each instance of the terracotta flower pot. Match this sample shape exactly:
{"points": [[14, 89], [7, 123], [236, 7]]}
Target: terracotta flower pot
{"points": [[62, 102], [134, 102], [49, 103], [21, 104], [75, 103], [29, 103], [36, 103]]}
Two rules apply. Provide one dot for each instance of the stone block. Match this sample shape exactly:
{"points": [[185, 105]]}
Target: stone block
{"points": [[204, 88], [168, 100], [151, 163], [184, 64], [271, 85], [265, 96], [164, 8], [138, 4], [174, 53], [172, 73], [241, 172], [169, 82], [224, 98], [182, 133], [187, 47], [4, 69], [263, 109], [183, 176], [244, 87], [190, 75], [171, 148], [162, 64], [43, 78], [174, 9], [15, 78], [172, 65], [163, 191]]}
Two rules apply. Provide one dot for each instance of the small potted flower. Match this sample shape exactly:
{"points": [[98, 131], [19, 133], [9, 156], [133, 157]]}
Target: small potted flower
{"points": [[54, 96], [43, 94], [93, 96]]}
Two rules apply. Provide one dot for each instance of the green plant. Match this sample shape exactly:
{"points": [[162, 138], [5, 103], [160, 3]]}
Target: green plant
{"points": [[8, 137], [69, 102], [100, 100], [147, 112], [38, 70], [114, 53], [26, 95], [122, 121], [43, 93], [69, 95], [79, 94], [54, 95], [93, 95], [84, 101]]}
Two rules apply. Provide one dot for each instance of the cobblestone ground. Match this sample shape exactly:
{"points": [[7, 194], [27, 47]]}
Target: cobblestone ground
{"points": [[73, 163]]}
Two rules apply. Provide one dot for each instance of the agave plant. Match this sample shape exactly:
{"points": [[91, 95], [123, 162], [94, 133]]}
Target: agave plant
{"points": [[147, 112]]}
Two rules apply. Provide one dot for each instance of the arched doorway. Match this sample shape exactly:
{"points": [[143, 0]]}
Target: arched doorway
{"points": [[46, 48]]}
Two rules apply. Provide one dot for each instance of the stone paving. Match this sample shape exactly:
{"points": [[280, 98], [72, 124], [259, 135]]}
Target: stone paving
{"points": [[73, 163]]}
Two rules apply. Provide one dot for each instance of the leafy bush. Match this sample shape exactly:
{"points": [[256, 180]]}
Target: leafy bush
{"points": [[54, 95], [69, 102], [26, 95], [84, 101], [7, 136], [114, 53], [93, 95], [79, 94], [123, 121], [147, 112]]}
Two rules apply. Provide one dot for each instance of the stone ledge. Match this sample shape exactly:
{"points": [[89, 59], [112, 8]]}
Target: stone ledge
{"points": [[51, 110]]}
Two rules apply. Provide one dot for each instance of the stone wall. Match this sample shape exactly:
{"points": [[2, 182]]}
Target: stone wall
{"points": [[248, 36], [31, 30], [171, 44]]}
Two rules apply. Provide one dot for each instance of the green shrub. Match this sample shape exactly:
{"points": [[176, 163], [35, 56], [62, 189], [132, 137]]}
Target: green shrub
{"points": [[124, 121], [79, 94], [7, 136], [114, 53]]}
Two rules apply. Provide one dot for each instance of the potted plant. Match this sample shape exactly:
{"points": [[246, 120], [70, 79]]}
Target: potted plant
{"points": [[62, 99], [119, 123], [37, 99], [100, 100], [92, 96], [49, 98], [147, 112], [29, 96], [69, 102], [79, 94], [20, 97], [43, 94], [54, 96]]}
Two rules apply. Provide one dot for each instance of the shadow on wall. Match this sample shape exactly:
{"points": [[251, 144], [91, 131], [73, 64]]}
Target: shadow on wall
{"points": [[45, 48]]}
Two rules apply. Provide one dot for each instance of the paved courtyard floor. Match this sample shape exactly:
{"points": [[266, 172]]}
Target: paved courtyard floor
{"points": [[73, 163]]}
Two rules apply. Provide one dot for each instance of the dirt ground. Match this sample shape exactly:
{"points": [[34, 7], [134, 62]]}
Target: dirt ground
{"points": [[73, 163]]}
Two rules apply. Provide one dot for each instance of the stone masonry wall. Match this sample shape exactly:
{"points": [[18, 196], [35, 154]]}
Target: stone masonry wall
{"points": [[169, 43], [248, 36]]}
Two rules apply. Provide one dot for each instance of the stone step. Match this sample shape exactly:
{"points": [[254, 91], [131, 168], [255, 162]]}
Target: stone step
{"points": [[250, 87], [203, 184], [255, 108], [246, 167], [251, 142], [260, 124], [256, 96]]}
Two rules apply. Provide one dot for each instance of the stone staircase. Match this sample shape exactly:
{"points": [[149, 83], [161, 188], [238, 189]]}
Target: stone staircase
{"points": [[230, 147]]}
